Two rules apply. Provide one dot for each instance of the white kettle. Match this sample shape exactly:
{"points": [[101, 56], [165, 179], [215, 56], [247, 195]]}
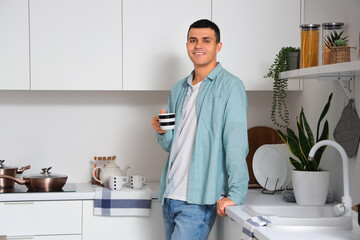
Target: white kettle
{"points": [[110, 169]]}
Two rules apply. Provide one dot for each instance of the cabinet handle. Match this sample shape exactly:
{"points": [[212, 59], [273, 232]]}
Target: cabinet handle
{"points": [[20, 237], [18, 203]]}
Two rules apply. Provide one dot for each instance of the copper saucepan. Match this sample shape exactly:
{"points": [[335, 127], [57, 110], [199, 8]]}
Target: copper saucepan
{"points": [[43, 182], [9, 171]]}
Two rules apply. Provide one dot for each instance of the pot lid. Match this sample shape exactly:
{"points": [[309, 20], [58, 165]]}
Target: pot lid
{"points": [[2, 166], [45, 174]]}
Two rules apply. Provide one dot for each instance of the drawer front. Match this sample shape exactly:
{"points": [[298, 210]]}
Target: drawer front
{"points": [[40, 218], [59, 237]]}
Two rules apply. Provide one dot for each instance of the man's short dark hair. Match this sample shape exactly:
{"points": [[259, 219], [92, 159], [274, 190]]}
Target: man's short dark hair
{"points": [[205, 23]]}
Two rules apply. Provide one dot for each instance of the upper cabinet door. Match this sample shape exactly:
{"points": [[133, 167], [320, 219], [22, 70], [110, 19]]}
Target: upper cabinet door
{"points": [[14, 45], [155, 55], [253, 32], [76, 44]]}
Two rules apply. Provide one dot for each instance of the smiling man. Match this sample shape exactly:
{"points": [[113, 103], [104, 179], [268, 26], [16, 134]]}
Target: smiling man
{"points": [[206, 169]]}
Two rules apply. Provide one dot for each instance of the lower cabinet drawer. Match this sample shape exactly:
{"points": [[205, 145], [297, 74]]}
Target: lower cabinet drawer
{"points": [[41, 218]]}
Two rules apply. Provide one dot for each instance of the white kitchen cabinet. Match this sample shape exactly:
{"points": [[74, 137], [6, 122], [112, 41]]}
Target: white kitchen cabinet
{"points": [[227, 229], [154, 39], [76, 44], [36, 219], [114, 228], [252, 33], [134, 228], [14, 45]]}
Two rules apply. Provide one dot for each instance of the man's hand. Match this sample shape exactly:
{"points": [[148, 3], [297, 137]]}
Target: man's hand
{"points": [[156, 124], [222, 204]]}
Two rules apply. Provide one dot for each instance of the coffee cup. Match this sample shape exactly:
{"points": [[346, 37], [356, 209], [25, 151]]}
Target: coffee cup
{"points": [[117, 182], [137, 181], [167, 121]]}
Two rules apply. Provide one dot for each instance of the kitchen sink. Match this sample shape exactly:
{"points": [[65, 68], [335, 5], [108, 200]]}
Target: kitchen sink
{"points": [[319, 217]]}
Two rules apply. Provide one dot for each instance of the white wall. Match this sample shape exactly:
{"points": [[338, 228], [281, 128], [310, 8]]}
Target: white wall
{"points": [[66, 129], [316, 92]]}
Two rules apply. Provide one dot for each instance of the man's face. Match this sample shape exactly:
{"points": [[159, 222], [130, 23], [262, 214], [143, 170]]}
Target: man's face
{"points": [[202, 47]]}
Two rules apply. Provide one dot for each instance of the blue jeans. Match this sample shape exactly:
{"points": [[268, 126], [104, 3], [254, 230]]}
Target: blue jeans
{"points": [[184, 221]]}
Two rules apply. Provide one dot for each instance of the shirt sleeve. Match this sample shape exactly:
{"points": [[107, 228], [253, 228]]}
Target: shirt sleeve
{"points": [[164, 140], [235, 142]]}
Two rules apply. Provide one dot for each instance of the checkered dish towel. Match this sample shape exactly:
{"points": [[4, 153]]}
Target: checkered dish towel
{"points": [[124, 202], [250, 224]]}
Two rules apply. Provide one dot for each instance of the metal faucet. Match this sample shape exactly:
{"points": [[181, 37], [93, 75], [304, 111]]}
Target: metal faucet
{"points": [[343, 208]]}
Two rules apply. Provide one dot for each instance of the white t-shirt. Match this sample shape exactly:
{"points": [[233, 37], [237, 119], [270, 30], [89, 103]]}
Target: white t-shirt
{"points": [[178, 175]]}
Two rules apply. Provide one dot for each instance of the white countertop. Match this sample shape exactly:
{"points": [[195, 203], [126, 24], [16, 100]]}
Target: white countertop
{"points": [[255, 197], [83, 191]]}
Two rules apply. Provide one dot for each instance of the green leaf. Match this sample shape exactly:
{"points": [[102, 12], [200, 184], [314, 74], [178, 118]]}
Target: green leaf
{"points": [[294, 147], [308, 131], [300, 117], [282, 135], [303, 141], [312, 166], [322, 115], [324, 136], [292, 135], [296, 164]]}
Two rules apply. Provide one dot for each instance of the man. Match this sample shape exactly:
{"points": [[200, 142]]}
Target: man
{"points": [[208, 147]]}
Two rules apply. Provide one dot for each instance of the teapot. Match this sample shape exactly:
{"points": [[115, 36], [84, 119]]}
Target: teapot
{"points": [[110, 169]]}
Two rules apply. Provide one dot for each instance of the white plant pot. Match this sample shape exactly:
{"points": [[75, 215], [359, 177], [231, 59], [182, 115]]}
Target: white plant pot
{"points": [[310, 188]]}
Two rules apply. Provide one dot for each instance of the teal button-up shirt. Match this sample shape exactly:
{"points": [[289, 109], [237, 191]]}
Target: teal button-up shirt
{"points": [[218, 161]]}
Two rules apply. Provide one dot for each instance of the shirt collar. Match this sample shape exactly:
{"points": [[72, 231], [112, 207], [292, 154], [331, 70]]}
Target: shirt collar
{"points": [[215, 72], [211, 76]]}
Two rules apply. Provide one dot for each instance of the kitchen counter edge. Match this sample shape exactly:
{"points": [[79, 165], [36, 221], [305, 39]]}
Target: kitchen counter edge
{"points": [[83, 191]]}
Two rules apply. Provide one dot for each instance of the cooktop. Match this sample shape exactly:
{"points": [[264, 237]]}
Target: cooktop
{"points": [[23, 189]]}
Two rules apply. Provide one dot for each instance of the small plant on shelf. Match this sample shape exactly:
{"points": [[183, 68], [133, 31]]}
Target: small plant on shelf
{"points": [[279, 111], [335, 39], [338, 45]]}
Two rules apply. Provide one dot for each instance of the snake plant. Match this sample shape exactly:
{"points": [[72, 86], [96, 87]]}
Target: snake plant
{"points": [[301, 144]]}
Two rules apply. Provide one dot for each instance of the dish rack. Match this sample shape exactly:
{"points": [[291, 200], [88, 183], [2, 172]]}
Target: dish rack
{"points": [[271, 192]]}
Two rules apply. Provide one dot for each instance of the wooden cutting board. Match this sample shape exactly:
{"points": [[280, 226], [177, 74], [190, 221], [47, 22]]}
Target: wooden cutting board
{"points": [[258, 136]]}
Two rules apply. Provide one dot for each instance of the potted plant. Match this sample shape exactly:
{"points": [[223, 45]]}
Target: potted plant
{"points": [[338, 45], [279, 111], [310, 181]]}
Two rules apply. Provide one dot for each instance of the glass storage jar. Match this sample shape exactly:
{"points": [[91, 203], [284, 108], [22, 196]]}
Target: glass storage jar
{"points": [[309, 45], [329, 32]]}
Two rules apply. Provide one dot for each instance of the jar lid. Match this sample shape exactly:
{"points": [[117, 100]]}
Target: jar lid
{"points": [[333, 25], [310, 26]]}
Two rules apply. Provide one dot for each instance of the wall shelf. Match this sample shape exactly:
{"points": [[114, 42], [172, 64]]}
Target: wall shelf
{"points": [[344, 73]]}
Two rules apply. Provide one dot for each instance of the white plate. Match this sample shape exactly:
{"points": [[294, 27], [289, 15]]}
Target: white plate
{"points": [[269, 162]]}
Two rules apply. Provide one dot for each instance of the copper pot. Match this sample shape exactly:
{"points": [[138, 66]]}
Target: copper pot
{"points": [[43, 182], [9, 171]]}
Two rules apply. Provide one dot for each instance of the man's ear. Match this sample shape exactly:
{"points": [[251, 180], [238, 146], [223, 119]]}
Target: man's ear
{"points": [[218, 47]]}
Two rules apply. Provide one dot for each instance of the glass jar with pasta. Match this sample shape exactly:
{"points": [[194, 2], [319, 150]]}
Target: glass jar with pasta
{"points": [[309, 45]]}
